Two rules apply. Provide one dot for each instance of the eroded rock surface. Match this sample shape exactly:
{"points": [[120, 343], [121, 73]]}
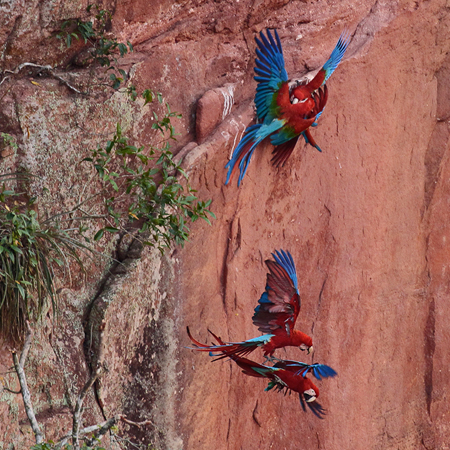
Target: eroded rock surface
{"points": [[366, 222]]}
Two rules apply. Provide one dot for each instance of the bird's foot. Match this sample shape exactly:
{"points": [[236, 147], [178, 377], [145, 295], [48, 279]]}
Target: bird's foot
{"points": [[271, 359]]}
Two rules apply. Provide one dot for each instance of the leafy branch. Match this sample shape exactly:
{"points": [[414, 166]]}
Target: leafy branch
{"points": [[144, 187], [104, 48]]}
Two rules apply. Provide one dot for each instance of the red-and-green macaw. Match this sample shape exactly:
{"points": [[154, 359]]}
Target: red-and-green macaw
{"points": [[275, 315], [290, 376], [285, 111], [284, 375]]}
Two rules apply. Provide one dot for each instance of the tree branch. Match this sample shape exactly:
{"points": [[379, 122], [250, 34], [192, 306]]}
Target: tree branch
{"points": [[104, 428], [19, 365], [107, 425], [136, 424], [26, 345], [92, 379], [49, 69]]}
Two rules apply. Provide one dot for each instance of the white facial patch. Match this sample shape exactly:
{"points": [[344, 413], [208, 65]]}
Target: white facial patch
{"points": [[312, 393]]}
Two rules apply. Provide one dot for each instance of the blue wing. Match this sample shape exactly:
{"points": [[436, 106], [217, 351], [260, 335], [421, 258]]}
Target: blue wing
{"points": [[329, 67], [318, 370], [270, 74], [337, 54], [285, 260]]}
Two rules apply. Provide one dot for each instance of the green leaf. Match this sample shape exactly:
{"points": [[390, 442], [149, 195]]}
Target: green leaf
{"points": [[112, 229], [147, 95], [122, 49], [21, 290], [99, 234], [114, 184]]}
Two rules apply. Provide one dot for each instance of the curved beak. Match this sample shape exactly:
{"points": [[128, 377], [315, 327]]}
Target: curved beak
{"points": [[309, 395], [310, 349]]}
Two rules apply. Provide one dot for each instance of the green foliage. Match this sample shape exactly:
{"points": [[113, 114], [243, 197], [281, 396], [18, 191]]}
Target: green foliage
{"points": [[29, 251], [9, 140], [50, 445], [104, 48], [145, 187]]}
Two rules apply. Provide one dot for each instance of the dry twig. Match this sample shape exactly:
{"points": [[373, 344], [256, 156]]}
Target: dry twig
{"points": [[48, 69], [19, 365]]}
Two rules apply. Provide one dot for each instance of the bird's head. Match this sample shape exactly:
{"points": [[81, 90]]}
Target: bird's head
{"points": [[302, 340], [310, 391], [310, 395], [308, 348], [300, 95]]}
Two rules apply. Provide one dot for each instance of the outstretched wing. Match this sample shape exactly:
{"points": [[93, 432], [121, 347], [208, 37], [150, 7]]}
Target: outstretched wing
{"points": [[253, 368], [270, 75], [227, 349], [318, 370], [333, 61], [279, 305], [336, 55]]}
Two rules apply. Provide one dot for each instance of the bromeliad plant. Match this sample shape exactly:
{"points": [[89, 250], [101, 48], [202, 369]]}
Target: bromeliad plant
{"points": [[29, 252], [145, 187]]}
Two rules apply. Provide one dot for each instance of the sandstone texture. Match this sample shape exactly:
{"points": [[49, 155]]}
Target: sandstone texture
{"points": [[367, 222]]}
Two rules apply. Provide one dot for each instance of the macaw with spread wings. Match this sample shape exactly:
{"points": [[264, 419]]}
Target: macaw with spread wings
{"points": [[285, 111], [275, 315], [291, 376], [285, 375]]}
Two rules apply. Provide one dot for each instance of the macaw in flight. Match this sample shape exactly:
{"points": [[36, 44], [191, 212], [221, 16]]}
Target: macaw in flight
{"points": [[275, 315], [290, 376], [285, 111], [284, 375]]}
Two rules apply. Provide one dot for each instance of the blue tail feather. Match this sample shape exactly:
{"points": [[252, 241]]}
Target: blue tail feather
{"points": [[254, 134], [307, 140]]}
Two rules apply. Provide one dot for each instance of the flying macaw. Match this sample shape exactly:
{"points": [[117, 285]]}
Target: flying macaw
{"points": [[285, 111], [275, 315], [290, 376], [284, 375]]}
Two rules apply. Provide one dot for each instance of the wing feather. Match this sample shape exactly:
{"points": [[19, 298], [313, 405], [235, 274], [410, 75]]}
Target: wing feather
{"points": [[300, 368], [270, 74], [279, 305]]}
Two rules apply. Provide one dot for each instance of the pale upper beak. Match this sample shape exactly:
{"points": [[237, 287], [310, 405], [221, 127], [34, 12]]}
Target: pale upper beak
{"points": [[310, 395]]}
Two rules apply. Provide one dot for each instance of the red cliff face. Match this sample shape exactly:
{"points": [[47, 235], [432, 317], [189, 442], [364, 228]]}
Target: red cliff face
{"points": [[367, 222]]}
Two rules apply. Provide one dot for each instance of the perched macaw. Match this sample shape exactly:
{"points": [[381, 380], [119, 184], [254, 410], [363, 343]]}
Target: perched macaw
{"points": [[275, 315], [284, 110], [290, 376]]}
